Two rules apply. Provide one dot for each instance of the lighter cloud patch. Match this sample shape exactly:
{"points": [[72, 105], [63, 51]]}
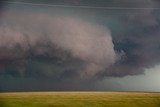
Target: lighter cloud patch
{"points": [[86, 41]]}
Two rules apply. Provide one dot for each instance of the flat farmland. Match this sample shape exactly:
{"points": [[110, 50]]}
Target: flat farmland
{"points": [[79, 99]]}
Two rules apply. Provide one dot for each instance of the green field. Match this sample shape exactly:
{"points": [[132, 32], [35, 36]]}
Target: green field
{"points": [[79, 99]]}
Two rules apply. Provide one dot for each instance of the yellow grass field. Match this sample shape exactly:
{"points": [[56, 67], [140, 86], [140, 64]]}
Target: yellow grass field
{"points": [[79, 99]]}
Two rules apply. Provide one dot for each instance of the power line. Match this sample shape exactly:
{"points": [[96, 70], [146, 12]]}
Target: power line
{"points": [[80, 6]]}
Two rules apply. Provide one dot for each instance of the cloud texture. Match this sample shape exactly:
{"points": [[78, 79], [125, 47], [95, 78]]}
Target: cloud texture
{"points": [[78, 45], [27, 36]]}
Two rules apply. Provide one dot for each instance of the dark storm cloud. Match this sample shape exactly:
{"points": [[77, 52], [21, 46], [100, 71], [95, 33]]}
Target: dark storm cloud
{"points": [[38, 44], [110, 3], [69, 50], [139, 41], [2, 5]]}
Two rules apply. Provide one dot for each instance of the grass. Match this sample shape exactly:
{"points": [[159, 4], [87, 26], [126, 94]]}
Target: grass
{"points": [[79, 99]]}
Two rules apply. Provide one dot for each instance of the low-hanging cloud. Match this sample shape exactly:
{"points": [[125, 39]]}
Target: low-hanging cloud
{"points": [[26, 35]]}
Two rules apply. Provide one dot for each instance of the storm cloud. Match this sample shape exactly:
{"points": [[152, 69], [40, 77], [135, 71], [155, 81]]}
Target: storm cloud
{"points": [[76, 45], [31, 35]]}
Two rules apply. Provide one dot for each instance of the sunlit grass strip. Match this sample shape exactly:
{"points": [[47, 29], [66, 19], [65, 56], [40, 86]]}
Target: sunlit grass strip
{"points": [[79, 99]]}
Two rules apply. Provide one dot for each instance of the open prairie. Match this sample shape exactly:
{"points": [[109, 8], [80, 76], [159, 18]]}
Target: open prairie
{"points": [[79, 99]]}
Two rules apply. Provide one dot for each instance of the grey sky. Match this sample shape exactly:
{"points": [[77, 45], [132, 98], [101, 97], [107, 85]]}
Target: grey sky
{"points": [[52, 47], [149, 81]]}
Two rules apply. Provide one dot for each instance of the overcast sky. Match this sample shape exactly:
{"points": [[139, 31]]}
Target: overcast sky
{"points": [[107, 45]]}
